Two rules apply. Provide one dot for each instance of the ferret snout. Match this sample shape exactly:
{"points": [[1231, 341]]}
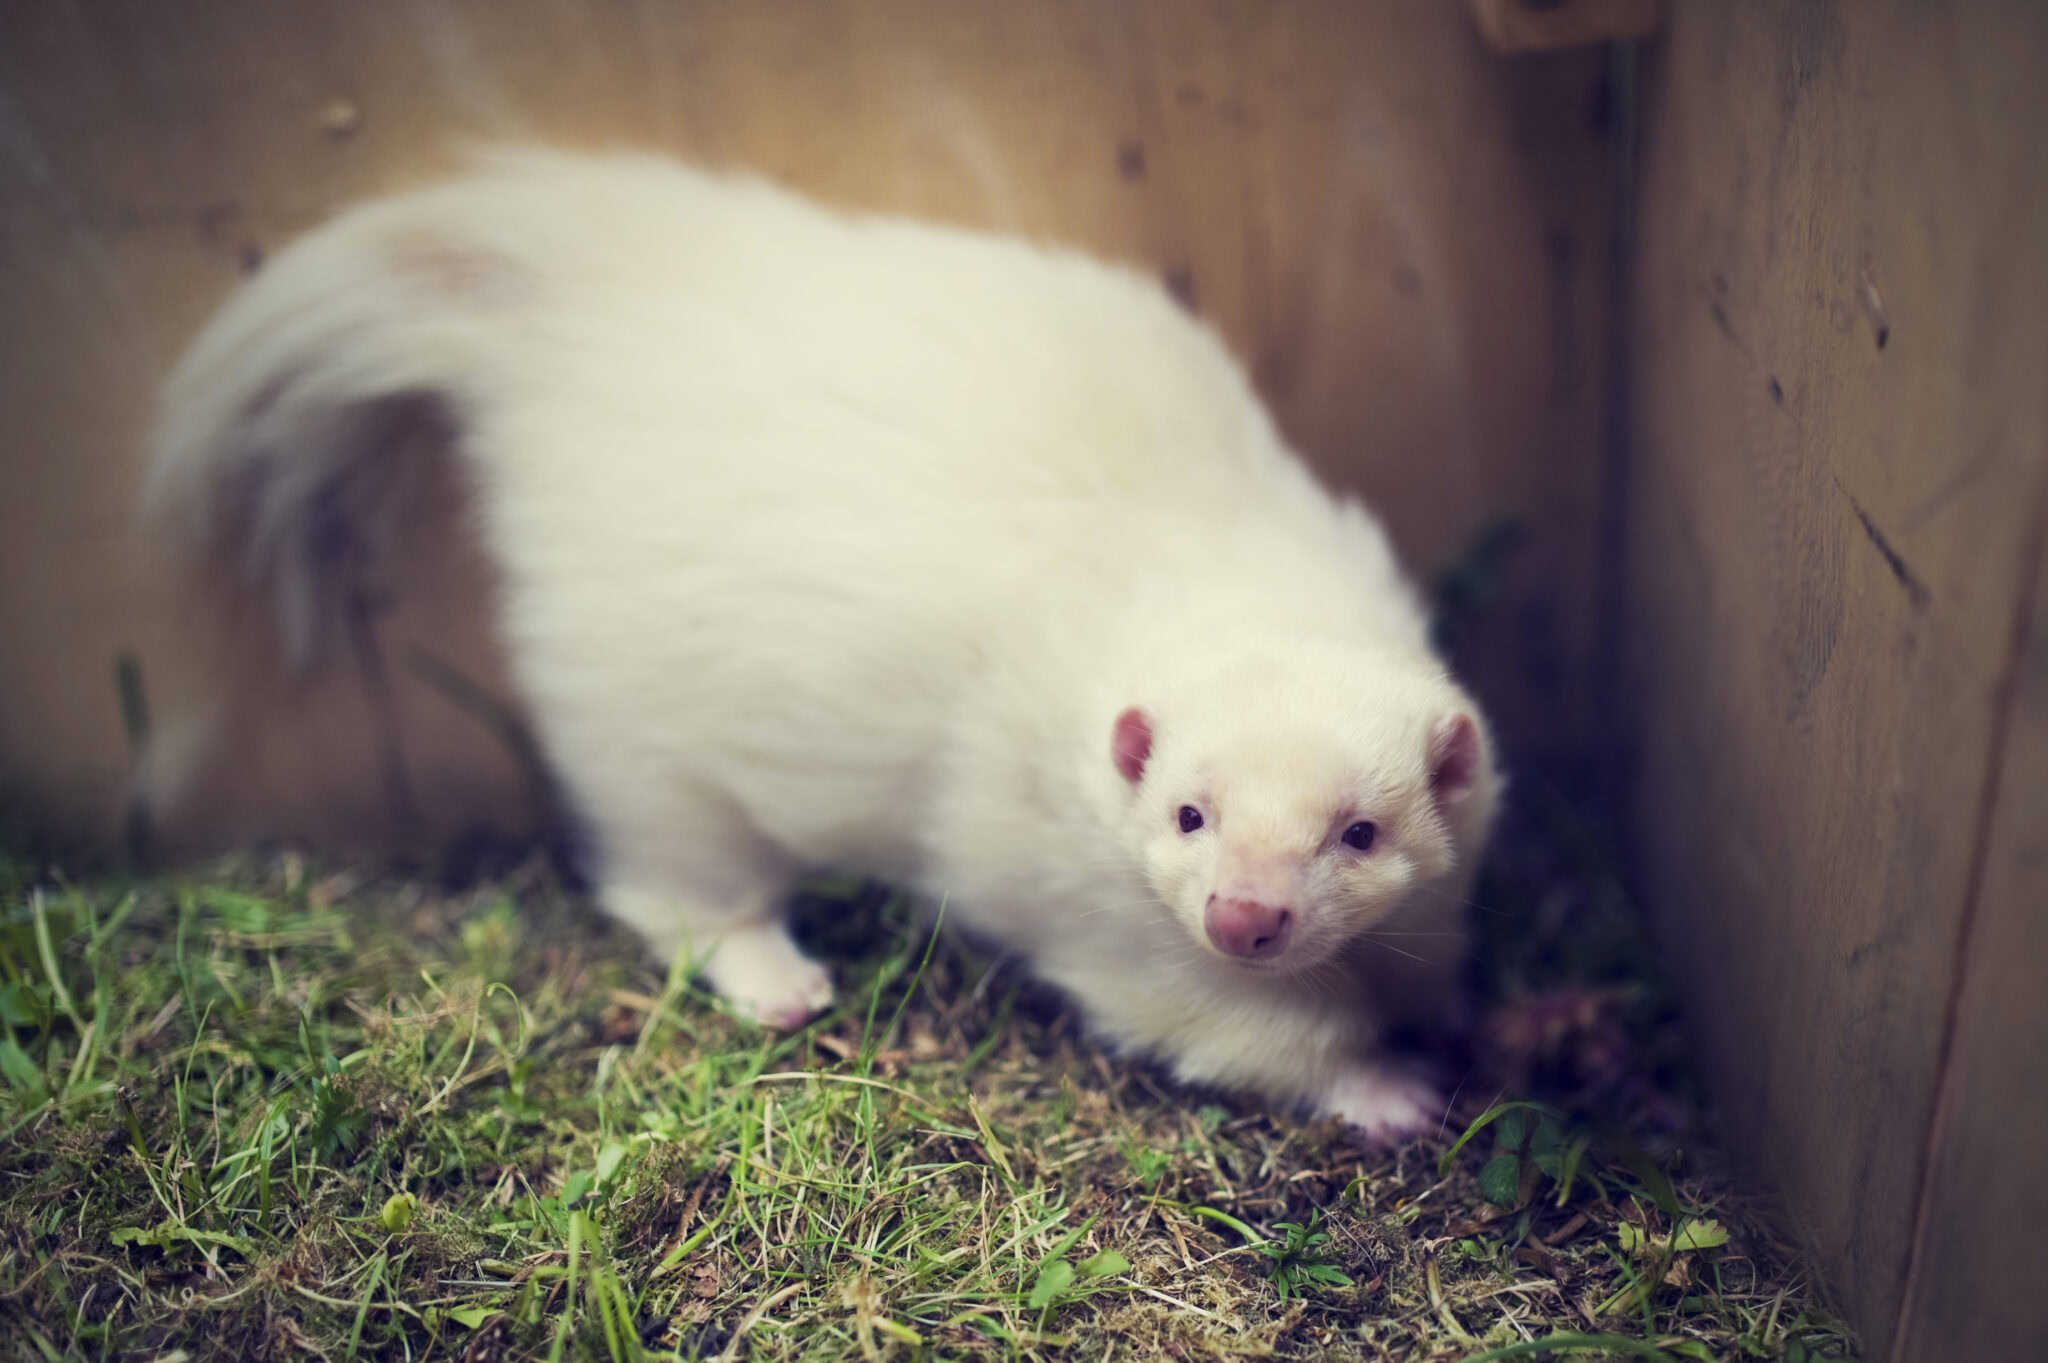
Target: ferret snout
{"points": [[1246, 928]]}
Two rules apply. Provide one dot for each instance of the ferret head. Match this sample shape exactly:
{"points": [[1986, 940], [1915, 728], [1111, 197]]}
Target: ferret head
{"points": [[1282, 808]]}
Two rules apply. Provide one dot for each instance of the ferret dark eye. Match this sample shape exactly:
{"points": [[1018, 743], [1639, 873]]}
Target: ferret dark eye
{"points": [[1359, 837], [1190, 818]]}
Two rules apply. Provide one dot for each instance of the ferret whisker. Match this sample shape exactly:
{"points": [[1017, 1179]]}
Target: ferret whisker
{"points": [[1388, 946]]}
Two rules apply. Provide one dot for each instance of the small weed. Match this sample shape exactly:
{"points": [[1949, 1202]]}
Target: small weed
{"points": [[1148, 1166], [1298, 1264], [1531, 1146], [1059, 1280]]}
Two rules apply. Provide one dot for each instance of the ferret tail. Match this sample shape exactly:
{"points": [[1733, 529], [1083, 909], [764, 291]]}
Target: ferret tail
{"points": [[278, 435]]}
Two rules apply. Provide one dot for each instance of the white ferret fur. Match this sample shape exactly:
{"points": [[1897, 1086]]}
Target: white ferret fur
{"points": [[841, 541]]}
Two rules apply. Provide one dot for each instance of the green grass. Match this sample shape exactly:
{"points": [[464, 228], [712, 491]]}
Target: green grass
{"points": [[273, 1111]]}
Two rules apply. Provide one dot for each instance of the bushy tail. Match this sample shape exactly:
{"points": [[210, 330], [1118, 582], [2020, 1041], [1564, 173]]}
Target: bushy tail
{"points": [[281, 435]]}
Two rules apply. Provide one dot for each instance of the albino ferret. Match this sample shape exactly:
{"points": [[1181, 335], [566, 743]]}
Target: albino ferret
{"points": [[841, 541]]}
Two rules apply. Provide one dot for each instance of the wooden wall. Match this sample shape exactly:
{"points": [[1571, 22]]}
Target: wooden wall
{"points": [[1835, 600], [1403, 234], [1838, 487]]}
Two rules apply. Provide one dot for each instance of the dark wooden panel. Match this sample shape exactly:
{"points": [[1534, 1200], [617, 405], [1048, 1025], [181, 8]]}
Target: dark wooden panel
{"points": [[1974, 1287], [1401, 232], [1839, 446]]}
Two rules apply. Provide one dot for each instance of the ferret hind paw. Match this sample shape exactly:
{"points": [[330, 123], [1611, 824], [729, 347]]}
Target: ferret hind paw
{"points": [[1387, 1104], [761, 974]]}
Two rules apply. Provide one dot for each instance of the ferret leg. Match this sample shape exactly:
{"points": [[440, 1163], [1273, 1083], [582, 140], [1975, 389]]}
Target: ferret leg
{"points": [[708, 886], [747, 957]]}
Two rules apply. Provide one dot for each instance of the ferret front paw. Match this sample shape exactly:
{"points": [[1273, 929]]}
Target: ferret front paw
{"points": [[1386, 1103], [759, 971]]}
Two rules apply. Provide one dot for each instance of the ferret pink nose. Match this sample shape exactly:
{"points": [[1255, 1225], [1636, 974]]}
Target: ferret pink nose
{"points": [[1247, 928]]}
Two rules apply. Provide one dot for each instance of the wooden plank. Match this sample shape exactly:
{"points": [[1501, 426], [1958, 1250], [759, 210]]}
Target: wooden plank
{"points": [[1974, 1284], [1396, 230], [1839, 446]]}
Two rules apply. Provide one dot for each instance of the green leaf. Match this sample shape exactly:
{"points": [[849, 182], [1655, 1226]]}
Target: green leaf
{"points": [[1069, 1240], [577, 1185], [22, 1004], [1573, 1155], [1500, 1180], [470, 1316], [1104, 1265], [608, 1160], [1510, 1130], [1700, 1234], [163, 1237], [1479, 1124], [1246, 1233], [1053, 1281], [21, 1073]]}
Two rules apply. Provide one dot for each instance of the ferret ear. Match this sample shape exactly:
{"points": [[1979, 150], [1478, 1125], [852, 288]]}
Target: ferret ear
{"points": [[1453, 758], [1130, 743]]}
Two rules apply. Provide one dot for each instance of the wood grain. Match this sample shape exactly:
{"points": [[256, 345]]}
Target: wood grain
{"points": [[1839, 449]]}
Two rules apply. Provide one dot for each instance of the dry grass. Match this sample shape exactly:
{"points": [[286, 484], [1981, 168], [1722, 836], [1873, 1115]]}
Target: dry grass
{"points": [[271, 1112]]}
